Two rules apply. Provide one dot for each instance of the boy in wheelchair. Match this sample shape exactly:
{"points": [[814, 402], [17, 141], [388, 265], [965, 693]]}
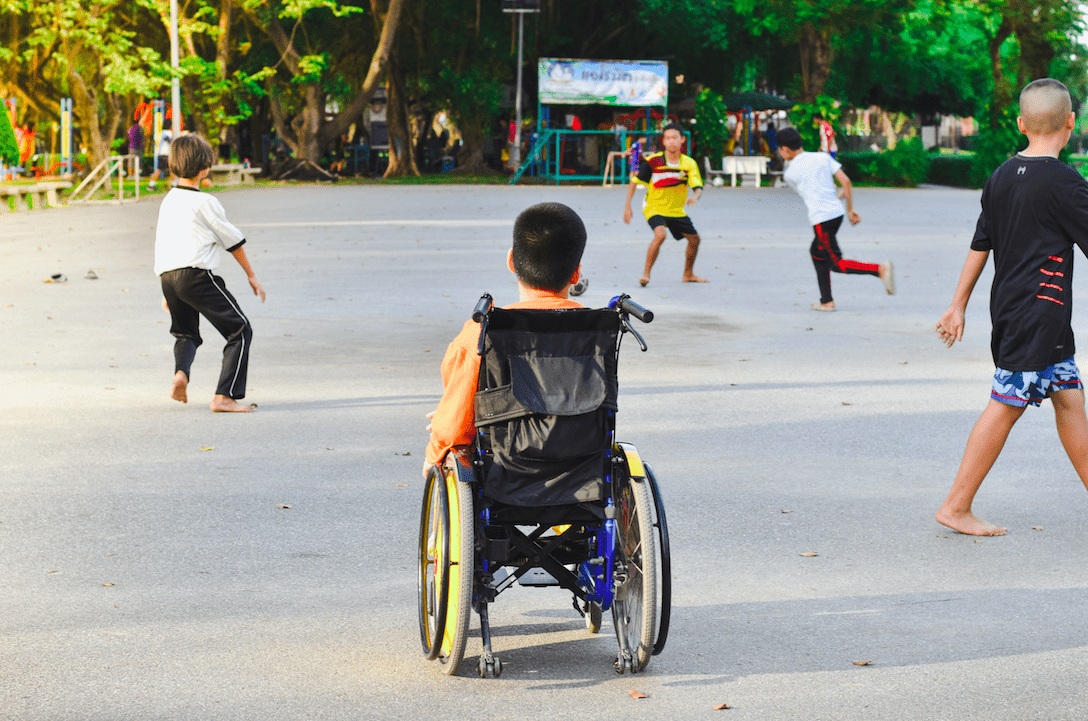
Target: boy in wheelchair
{"points": [[523, 438], [546, 258]]}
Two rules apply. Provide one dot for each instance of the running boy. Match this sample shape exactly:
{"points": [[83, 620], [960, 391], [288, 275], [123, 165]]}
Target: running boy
{"points": [[546, 257], [668, 175], [1034, 209], [192, 228], [812, 176]]}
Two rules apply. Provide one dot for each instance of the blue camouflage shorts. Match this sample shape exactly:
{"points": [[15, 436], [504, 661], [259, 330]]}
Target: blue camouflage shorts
{"points": [[1018, 388]]}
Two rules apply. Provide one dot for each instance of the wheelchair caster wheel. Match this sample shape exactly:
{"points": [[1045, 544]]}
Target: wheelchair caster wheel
{"points": [[623, 664], [492, 668]]}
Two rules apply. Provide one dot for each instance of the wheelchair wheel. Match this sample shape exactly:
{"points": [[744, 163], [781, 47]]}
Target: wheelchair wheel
{"points": [[634, 611], [664, 567], [445, 568]]}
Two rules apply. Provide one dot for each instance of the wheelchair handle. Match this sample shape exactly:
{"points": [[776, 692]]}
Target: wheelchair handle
{"points": [[629, 306], [483, 307]]}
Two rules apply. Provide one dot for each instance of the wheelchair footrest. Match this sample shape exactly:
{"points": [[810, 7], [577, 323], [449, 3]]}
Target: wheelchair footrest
{"points": [[538, 577]]}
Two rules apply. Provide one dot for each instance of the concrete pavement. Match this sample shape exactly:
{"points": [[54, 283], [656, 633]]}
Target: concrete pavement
{"points": [[147, 569]]}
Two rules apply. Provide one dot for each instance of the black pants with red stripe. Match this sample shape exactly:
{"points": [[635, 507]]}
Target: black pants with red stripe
{"points": [[827, 257], [191, 293]]}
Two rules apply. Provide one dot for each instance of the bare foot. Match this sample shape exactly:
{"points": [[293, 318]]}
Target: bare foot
{"points": [[693, 279], [826, 307], [887, 274], [644, 281], [968, 524], [178, 389], [224, 404]]}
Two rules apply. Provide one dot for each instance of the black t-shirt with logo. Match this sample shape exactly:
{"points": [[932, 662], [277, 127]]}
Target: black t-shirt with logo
{"points": [[1034, 209]]}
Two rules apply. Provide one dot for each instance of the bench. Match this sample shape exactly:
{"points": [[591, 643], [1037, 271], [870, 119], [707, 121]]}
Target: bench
{"points": [[41, 195], [747, 165], [232, 174]]}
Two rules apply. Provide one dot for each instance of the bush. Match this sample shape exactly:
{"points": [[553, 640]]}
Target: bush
{"points": [[711, 130], [954, 170], [905, 166], [994, 146], [9, 147]]}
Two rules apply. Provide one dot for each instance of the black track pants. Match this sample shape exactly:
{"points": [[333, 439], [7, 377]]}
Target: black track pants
{"points": [[191, 293]]}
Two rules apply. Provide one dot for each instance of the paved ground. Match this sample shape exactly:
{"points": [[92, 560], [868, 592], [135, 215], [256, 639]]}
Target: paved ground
{"points": [[143, 576]]}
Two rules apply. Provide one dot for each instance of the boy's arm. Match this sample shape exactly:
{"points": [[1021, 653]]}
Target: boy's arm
{"points": [[627, 204], [239, 254], [453, 421], [950, 327], [848, 193]]}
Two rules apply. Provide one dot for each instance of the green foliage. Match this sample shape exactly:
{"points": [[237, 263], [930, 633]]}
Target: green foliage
{"points": [[905, 166], [711, 130], [9, 147], [806, 118], [472, 97], [995, 145], [954, 170]]}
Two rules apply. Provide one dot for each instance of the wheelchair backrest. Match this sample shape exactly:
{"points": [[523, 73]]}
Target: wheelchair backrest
{"points": [[546, 403]]}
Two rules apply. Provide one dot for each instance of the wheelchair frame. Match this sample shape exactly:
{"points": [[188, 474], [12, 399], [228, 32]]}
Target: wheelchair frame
{"points": [[614, 556]]}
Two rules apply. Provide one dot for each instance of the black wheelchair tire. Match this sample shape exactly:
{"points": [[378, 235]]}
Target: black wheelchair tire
{"points": [[634, 612], [664, 564]]}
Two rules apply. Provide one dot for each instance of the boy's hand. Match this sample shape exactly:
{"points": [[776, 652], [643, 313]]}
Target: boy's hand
{"points": [[950, 327], [627, 214], [165, 306], [854, 217], [430, 416], [256, 286]]}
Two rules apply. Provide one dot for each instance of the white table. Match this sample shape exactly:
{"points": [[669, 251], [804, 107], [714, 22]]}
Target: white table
{"points": [[746, 165]]}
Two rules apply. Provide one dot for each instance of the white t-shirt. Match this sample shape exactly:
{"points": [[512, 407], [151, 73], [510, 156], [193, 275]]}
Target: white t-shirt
{"points": [[192, 228], [164, 143], [811, 175]]}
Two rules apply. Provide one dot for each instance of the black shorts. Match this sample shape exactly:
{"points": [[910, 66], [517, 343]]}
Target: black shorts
{"points": [[678, 226]]}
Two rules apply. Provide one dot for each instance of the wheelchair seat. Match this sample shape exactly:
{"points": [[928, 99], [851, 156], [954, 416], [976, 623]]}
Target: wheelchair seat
{"points": [[546, 495]]}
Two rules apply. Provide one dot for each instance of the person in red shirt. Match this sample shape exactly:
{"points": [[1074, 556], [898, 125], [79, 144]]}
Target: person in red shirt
{"points": [[546, 258]]}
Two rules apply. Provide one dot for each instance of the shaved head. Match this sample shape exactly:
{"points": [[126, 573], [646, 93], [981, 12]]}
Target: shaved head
{"points": [[1045, 107]]}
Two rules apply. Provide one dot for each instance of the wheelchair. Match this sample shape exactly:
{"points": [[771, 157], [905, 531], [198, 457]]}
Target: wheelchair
{"points": [[546, 495]]}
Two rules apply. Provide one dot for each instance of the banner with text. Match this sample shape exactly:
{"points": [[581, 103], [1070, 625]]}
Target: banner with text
{"points": [[638, 83]]}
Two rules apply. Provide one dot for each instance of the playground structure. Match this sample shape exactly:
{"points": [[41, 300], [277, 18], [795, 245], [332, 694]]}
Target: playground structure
{"points": [[558, 154], [104, 173]]}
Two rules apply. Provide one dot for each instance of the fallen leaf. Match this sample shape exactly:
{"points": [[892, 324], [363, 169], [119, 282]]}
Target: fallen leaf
{"points": [[862, 663], [402, 485], [636, 694], [787, 511], [107, 584], [207, 448], [1036, 528], [845, 403], [110, 388], [978, 541], [902, 363], [282, 506], [721, 707], [809, 554], [407, 454], [51, 570]]}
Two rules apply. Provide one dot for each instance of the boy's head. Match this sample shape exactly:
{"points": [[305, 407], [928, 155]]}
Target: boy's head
{"points": [[548, 242], [167, 124], [190, 154], [1045, 107], [789, 138]]}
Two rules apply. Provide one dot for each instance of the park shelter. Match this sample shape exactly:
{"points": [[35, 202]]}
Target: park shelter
{"points": [[620, 83], [754, 102]]}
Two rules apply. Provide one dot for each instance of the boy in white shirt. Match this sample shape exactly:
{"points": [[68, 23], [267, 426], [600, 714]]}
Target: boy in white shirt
{"points": [[812, 176], [192, 228]]}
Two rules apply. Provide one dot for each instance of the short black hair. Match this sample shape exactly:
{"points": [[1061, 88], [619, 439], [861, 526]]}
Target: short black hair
{"points": [[189, 154], [549, 239], [789, 138], [673, 126]]}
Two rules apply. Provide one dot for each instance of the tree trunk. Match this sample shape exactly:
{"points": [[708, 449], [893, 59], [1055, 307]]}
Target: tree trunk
{"points": [[222, 52], [470, 159], [1002, 93], [815, 48], [402, 160]]}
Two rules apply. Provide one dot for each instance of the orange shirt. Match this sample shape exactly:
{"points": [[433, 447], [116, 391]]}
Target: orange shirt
{"points": [[454, 420]]}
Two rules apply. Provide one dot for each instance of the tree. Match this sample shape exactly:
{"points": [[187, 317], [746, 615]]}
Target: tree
{"points": [[306, 54]]}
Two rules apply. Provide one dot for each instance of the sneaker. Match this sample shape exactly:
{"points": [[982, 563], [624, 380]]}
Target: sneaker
{"points": [[151, 185], [887, 274], [825, 307]]}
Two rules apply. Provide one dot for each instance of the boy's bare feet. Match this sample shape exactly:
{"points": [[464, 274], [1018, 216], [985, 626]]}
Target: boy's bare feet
{"points": [[693, 279], [826, 307], [887, 274], [178, 389], [644, 281], [225, 404], [968, 524]]}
